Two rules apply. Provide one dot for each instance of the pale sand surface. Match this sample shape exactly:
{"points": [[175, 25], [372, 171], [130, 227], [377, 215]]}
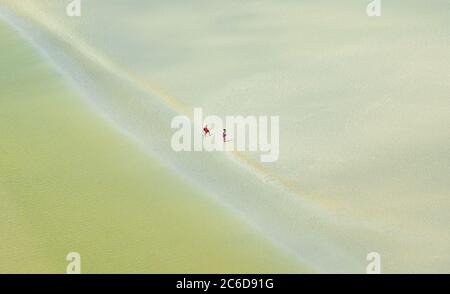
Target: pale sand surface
{"points": [[69, 182], [363, 104]]}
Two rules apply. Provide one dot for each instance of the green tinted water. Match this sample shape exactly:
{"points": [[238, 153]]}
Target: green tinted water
{"points": [[69, 182]]}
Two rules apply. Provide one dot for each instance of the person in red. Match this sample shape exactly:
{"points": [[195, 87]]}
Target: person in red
{"points": [[206, 130]]}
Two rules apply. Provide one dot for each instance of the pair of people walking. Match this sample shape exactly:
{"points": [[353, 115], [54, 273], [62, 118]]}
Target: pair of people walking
{"points": [[208, 133]]}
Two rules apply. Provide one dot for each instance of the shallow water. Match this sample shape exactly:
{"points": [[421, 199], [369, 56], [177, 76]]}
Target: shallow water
{"points": [[69, 182], [363, 104]]}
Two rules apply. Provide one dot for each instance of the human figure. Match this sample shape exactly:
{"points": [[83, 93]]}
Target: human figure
{"points": [[224, 135], [206, 130]]}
